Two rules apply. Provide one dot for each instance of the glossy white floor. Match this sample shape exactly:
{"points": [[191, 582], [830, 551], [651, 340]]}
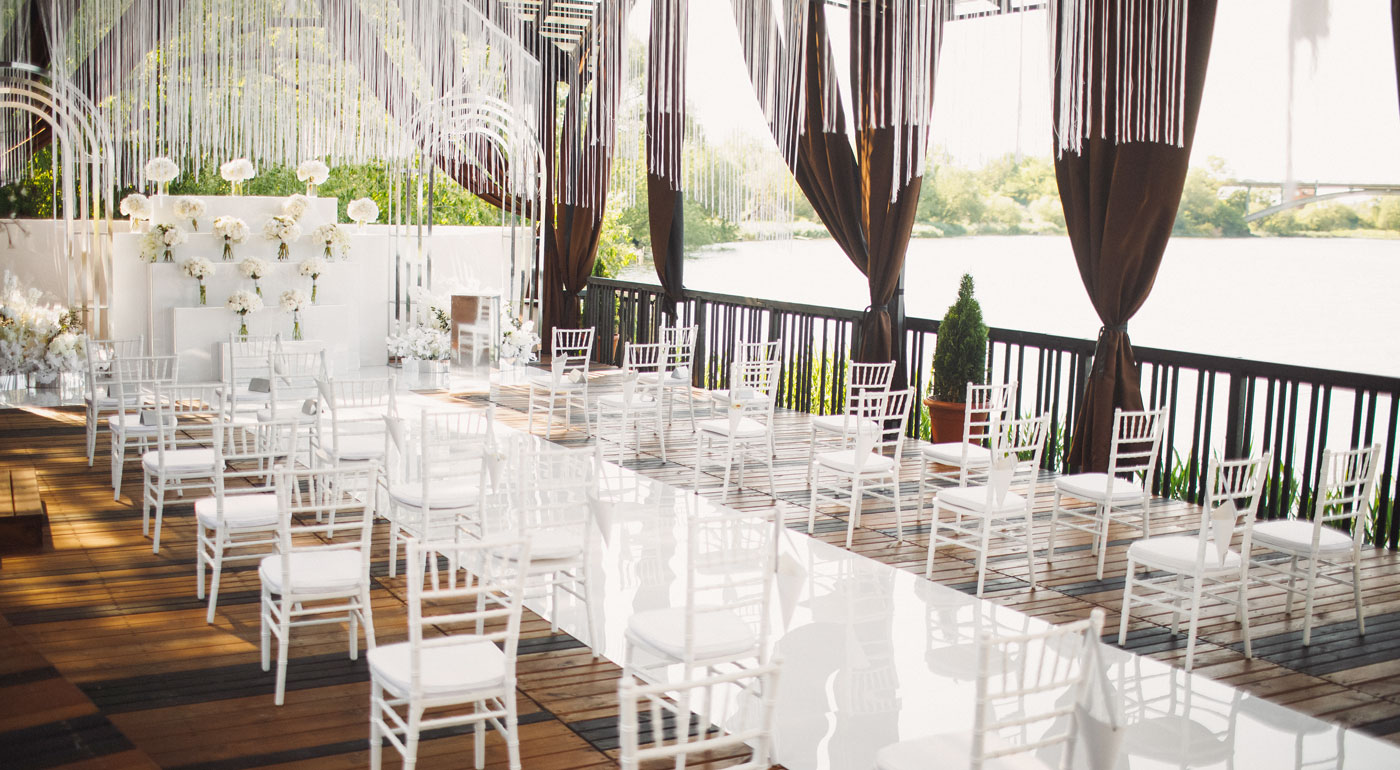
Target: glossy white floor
{"points": [[873, 655]]}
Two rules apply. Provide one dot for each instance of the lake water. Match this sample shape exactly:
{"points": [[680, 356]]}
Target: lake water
{"points": [[1328, 303]]}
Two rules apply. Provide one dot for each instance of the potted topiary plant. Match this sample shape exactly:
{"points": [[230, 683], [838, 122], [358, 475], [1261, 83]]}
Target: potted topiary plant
{"points": [[959, 357]]}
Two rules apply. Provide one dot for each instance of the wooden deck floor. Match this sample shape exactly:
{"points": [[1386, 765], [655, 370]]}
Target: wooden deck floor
{"points": [[107, 661]]}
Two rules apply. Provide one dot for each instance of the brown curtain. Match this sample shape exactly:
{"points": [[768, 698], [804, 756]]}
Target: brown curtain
{"points": [[1395, 34], [1120, 202], [851, 189], [665, 133]]}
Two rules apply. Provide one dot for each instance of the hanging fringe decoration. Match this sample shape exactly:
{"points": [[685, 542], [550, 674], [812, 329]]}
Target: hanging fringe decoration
{"points": [[279, 81], [1121, 73], [18, 129], [771, 34]]}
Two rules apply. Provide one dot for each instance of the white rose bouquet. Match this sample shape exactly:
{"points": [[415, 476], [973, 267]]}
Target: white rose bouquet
{"points": [[313, 172], [236, 172], [160, 242], [294, 301], [191, 209], [37, 339], [312, 268], [362, 210], [162, 171], [137, 207], [519, 341], [427, 344], [284, 230], [337, 243], [296, 206], [199, 269], [244, 302], [254, 268], [232, 230]]}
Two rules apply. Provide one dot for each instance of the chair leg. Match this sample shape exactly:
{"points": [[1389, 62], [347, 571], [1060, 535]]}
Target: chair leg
{"points": [[218, 568], [1194, 622], [284, 627], [265, 629], [1054, 524], [1103, 543], [923, 489], [530, 413], [728, 469], [982, 556], [1243, 600], [772, 485], [1030, 550], [1176, 604], [92, 432], [1308, 601], [376, 738], [1292, 580], [932, 541], [118, 460], [367, 615], [410, 738], [160, 514], [853, 518], [814, 475], [1125, 610], [699, 453], [898, 514], [512, 732], [1356, 597]]}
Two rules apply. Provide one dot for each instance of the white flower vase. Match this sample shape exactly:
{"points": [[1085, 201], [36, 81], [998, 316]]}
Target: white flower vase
{"points": [[434, 374]]}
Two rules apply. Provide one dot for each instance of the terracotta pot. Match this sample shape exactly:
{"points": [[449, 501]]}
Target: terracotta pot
{"points": [[945, 421]]}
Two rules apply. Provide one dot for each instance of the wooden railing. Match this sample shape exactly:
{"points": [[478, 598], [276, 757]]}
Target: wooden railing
{"points": [[1217, 406]]}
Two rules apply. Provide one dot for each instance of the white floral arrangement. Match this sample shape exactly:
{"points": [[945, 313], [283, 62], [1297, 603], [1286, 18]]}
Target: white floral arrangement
{"points": [[236, 172], [199, 269], [137, 207], [232, 230], [519, 341], [438, 306], [243, 302], [427, 344], [254, 268], [191, 209], [160, 241], [284, 230], [337, 243], [162, 171], [313, 172], [293, 301], [296, 206], [312, 268], [36, 338], [362, 210]]}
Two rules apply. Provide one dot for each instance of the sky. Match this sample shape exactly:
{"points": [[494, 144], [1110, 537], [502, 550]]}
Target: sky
{"points": [[992, 95]]}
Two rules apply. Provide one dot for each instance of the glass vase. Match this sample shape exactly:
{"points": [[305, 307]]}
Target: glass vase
{"points": [[242, 325], [296, 326], [282, 251], [203, 294], [237, 188], [228, 250], [313, 291], [167, 256], [257, 287], [310, 190]]}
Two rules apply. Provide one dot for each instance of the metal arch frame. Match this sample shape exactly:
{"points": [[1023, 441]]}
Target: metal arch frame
{"points": [[463, 115], [75, 122]]}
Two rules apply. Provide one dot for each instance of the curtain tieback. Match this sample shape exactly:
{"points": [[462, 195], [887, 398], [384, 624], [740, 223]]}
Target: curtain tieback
{"points": [[1122, 328]]}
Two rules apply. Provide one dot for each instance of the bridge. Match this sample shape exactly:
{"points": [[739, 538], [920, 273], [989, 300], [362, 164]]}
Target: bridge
{"points": [[1309, 192]]}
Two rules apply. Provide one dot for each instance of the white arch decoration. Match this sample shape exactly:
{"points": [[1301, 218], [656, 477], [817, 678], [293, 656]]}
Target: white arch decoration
{"points": [[87, 177]]}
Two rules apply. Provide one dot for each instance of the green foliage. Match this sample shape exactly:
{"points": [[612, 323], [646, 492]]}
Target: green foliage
{"points": [[616, 246], [703, 227], [1204, 210], [960, 354], [1006, 196], [32, 197]]}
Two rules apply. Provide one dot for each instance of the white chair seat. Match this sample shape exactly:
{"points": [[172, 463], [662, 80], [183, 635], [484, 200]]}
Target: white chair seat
{"points": [[639, 401], [671, 379], [974, 500], [547, 382], [1092, 486], [717, 633], [952, 454], [722, 396], [553, 546], [131, 423], [357, 447], [950, 751], [315, 572], [838, 423], [240, 511], [1295, 536], [1178, 554], [748, 428], [288, 410], [441, 496], [845, 460], [180, 460], [466, 667]]}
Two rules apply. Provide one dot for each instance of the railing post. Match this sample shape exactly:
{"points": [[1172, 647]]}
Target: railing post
{"points": [[1235, 429], [702, 333]]}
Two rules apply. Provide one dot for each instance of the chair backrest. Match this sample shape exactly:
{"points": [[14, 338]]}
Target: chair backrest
{"points": [[451, 449], [551, 490], [350, 396], [1137, 438], [742, 702], [759, 351], [1233, 489], [247, 457], [575, 346], [246, 356], [1346, 491], [644, 358], [680, 344], [731, 559], [293, 379], [863, 377], [987, 405], [890, 412], [134, 379], [1021, 681], [99, 353], [1017, 446], [755, 378], [188, 415], [455, 608], [319, 507]]}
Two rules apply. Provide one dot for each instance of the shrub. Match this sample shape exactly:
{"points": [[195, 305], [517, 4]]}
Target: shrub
{"points": [[960, 354]]}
